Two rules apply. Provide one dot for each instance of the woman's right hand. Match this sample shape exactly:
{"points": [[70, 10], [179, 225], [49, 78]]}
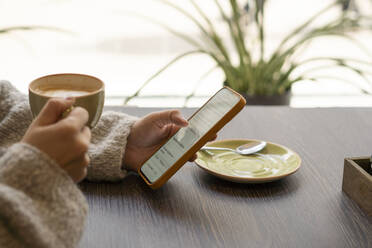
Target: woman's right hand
{"points": [[64, 140]]}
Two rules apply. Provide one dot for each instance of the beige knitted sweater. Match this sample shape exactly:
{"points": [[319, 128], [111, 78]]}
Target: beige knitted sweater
{"points": [[40, 206]]}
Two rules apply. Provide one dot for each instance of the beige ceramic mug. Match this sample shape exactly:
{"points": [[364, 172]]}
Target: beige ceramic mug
{"points": [[88, 91]]}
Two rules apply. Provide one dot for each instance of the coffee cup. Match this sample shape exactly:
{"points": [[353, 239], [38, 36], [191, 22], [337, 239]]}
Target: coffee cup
{"points": [[88, 91]]}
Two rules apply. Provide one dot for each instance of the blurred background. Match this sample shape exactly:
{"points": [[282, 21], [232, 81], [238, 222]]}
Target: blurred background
{"points": [[124, 44]]}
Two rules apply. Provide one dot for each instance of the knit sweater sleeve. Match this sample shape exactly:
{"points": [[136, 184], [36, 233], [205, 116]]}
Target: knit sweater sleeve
{"points": [[109, 139], [40, 206], [108, 143], [15, 115]]}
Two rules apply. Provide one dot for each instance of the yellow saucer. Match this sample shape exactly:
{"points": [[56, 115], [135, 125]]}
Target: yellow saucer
{"points": [[272, 163]]}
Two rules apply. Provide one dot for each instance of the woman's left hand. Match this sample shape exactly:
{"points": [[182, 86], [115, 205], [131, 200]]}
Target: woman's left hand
{"points": [[149, 133]]}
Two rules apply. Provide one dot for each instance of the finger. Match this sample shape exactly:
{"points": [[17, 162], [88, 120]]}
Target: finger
{"points": [[77, 118], [81, 161], [86, 134], [77, 169], [169, 116], [169, 130], [177, 118], [83, 142], [80, 177], [213, 138], [192, 159], [53, 110]]}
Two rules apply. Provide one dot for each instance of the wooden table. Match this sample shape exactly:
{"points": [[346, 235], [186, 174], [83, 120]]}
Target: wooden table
{"points": [[195, 209]]}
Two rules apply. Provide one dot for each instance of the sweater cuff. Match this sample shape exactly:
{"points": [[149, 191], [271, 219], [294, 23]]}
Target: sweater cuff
{"points": [[109, 139], [33, 166], [45, 206]]}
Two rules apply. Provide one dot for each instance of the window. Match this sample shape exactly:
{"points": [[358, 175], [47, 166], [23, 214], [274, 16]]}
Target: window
{"points": [[103, 39]]}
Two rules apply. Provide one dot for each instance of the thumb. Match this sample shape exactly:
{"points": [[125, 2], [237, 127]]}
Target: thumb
{"points": [[53, 110], [171, 117]]}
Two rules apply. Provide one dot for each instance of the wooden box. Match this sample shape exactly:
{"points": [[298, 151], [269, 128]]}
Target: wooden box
{"points": [[357, 182]]}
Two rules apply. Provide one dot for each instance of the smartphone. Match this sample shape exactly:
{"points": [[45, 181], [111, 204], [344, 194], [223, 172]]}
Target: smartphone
{"points": [[203, 125]]}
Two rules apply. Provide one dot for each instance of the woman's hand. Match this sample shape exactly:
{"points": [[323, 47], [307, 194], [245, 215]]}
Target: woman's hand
{"points": [[64, 140], [148, 134]]}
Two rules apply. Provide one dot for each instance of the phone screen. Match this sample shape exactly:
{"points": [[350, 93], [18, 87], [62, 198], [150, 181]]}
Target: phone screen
{"points": [[199, 124]]}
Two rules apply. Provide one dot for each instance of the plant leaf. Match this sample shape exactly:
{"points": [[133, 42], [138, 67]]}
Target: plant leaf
{"points": [[215, 36], [199, 83], [303, 26], [183, 36], [339, 79], [214, 39], [160, 71]]}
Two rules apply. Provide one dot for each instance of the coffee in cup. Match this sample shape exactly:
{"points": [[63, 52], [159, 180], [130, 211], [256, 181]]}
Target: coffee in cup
{"points": [[88, 92], [64, 93]]}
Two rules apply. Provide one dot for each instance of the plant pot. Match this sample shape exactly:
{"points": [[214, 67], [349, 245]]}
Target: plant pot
{"points": [[283, 99]]}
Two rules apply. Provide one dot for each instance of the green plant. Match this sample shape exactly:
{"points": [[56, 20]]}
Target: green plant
{"points": [[27, 28], [255, 72]]}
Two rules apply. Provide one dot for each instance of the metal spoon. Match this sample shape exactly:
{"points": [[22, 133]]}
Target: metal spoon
{"points": [[246, 149]]}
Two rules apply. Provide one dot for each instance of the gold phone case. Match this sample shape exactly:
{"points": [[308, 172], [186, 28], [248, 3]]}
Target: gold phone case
{"points": [[195, 148]]}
